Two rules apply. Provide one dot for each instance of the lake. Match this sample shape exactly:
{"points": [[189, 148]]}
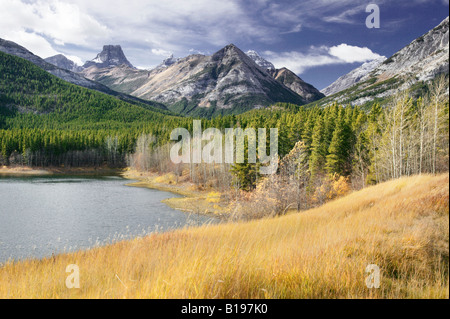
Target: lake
{"points": [[45, 215]]}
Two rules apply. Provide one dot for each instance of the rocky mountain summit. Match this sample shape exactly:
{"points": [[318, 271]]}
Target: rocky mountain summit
{"points": [[296, 84], [170, 60], [111, 55], [224, 80], [285, 76], [64, 63]]}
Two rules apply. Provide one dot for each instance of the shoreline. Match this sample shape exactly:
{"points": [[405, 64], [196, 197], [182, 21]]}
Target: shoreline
{"points": [[200, 202], [139, 179], [42, 171]]}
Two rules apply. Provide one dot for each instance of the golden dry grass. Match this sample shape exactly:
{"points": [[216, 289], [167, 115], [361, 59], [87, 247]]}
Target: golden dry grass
{"points": [[402, 226]]}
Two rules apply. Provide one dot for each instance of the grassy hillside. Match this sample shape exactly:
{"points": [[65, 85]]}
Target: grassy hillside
{"points": [[402, 226]]}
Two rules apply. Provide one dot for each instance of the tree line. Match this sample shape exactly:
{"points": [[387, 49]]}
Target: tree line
{"points": [[45, 121]]}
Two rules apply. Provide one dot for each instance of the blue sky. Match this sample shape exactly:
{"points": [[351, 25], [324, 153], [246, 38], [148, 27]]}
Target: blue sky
{"points": [[320, 40]]}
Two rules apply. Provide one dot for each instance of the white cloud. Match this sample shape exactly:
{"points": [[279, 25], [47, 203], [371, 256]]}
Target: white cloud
{"points": [[62, 22], [164, 26], [295, 29], [176, 24], [161, 52], [194, 51], [44, 27], [314, 14], [75, 59], [352, 54], [150, 29], [320, 56], [31, 41]]}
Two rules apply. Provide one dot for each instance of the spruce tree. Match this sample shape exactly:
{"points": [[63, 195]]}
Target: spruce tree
{"points": [[338, 159], [318, 148]]}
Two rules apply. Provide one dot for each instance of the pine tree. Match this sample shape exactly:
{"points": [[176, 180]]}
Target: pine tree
{"points": [[338, 158], [246, 174], [318, 148]]}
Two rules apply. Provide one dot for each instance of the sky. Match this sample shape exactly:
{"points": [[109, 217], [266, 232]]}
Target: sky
{"points": [[319, 40]]}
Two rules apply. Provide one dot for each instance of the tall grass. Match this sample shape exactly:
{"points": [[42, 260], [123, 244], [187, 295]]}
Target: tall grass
{"points": [[402, 226]]}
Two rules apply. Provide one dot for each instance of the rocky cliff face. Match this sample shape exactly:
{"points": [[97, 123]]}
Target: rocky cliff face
{"points": [[64, 63], [288, 78], [197, 84], [111, 55], [422, 60], [308, 92]]}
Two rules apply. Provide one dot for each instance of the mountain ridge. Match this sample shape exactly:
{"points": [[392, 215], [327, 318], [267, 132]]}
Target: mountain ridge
{"points": [[285, 76], [33, 97], [353, 77], [418, 62], [62, 62], [228, 81]]}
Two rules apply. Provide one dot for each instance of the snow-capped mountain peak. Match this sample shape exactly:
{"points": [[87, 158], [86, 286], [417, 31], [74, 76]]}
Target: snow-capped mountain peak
{"points": [[255, 56]]}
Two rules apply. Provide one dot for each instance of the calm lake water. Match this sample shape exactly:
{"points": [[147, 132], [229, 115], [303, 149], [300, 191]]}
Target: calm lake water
{"points": [[53, 214]]}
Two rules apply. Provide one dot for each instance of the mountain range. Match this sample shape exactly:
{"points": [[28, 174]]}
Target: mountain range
{"points": [[231, 81]]}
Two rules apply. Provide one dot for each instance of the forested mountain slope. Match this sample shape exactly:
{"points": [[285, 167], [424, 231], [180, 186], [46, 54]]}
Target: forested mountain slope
{"points": [[12, 48], [26, 89], [47, 121]]}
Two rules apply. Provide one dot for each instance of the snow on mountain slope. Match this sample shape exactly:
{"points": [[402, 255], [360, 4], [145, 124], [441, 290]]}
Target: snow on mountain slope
{"points": [[260, 60], [353, 77]]}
